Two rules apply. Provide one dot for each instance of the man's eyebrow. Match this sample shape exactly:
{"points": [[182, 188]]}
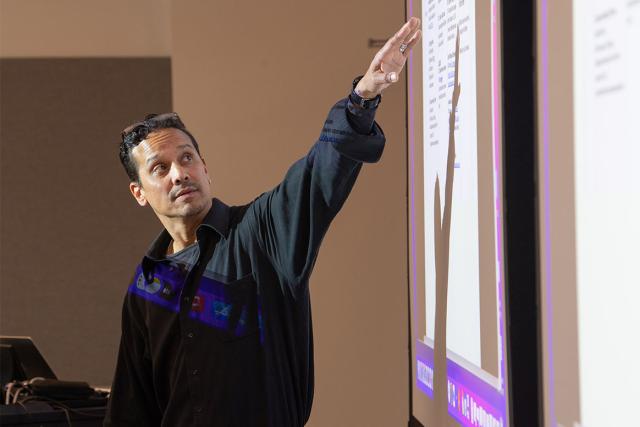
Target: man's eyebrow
{"points": [[155, 156], [152, 158]]}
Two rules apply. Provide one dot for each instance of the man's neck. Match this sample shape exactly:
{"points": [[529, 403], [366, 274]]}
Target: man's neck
{"points": [[182, 230]]}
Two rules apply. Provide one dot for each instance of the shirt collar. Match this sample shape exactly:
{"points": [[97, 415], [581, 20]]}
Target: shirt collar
{"points": [[216, 220]]}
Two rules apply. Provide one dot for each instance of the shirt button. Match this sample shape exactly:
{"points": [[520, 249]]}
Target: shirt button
{"points": [[198, 409], [190, 334], [194, 372]]}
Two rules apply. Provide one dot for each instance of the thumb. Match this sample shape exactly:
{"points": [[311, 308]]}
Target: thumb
{"points": [[385, 78]]}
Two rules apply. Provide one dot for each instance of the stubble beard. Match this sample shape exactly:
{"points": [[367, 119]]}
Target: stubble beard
{"points": [[189, 210]]}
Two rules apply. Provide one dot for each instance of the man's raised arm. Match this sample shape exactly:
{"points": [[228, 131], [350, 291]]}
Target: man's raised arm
{"points": [[291, 220]]}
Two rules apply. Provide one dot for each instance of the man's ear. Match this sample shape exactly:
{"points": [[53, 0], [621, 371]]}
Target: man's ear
{"points": [[138, 192]]}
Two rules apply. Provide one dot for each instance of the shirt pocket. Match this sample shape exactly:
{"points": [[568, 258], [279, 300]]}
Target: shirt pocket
{"points": [[228, 308]]}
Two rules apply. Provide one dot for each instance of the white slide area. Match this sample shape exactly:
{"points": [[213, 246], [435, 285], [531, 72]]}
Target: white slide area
{"points": [[440, 25]]}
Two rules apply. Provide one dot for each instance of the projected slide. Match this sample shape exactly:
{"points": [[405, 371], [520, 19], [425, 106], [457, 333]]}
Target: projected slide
{"points": [[463, 322], [456, 261], [589, 215]]}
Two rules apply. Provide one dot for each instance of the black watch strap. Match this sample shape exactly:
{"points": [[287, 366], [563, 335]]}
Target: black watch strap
{"points": [[360, 101]]}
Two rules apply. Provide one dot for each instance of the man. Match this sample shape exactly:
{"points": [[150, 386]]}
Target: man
{"points": [[216, 324]]}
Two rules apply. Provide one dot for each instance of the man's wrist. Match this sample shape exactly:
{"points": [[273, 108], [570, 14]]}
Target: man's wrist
{"points": [[364, 89], [364, 99]]}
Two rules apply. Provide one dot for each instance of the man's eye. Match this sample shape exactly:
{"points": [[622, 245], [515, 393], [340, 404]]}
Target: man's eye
{"points": [[188, 157], [158, 168]]}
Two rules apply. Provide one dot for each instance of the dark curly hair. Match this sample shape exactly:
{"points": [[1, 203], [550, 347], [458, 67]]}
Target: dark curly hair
{"points": [[133, 134]]}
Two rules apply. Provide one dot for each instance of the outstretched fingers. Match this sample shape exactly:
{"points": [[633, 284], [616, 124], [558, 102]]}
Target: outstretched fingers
{"points": [[407, 32], [412, 41]]}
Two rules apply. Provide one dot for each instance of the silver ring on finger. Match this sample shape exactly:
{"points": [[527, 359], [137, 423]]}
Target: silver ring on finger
{"points": [[403, 47]]}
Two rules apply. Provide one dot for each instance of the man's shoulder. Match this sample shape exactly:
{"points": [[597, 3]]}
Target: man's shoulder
{"points": [[239, 214]]}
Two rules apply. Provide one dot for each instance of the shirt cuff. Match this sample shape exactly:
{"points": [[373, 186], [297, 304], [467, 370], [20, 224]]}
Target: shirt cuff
{"points": [[351, 143], [360, 119]]}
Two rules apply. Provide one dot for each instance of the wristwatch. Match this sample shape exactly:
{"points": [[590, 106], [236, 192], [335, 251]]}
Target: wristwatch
{"points": [[360, 101]]}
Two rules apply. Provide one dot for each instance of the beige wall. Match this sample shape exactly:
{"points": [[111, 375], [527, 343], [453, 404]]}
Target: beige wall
{"points": [[84, 28], [71, 233], [72, 75], [255, 82]]}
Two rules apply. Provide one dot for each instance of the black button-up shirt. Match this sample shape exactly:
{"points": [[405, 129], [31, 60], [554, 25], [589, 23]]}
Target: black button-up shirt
{"points": [[219, 334]]}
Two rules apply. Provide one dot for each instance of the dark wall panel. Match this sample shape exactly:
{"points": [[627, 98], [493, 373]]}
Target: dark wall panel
{"points": [[70, 232]]}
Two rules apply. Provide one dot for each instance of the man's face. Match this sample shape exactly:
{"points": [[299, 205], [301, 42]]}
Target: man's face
{"points": [[173, 178]]}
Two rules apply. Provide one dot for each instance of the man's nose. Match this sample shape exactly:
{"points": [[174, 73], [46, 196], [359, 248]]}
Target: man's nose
{"points": [[179, 174]]}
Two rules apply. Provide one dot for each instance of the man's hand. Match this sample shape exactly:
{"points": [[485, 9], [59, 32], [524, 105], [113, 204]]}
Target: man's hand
{"points": [[389, 61]]}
